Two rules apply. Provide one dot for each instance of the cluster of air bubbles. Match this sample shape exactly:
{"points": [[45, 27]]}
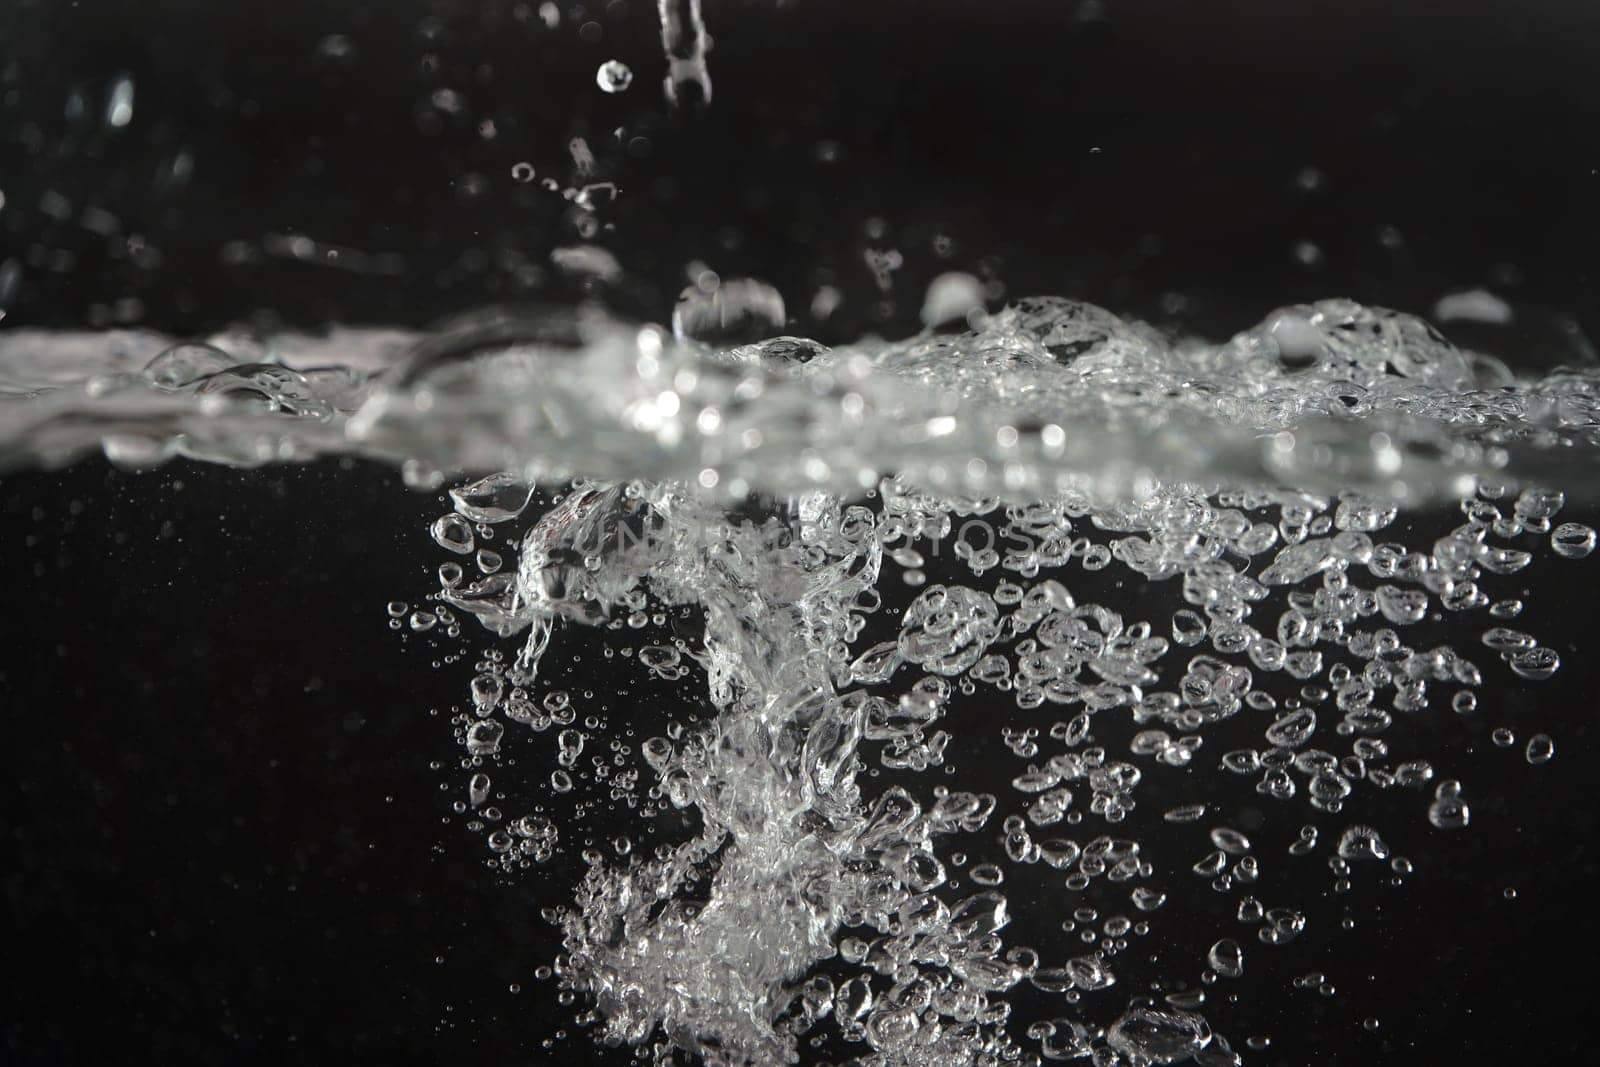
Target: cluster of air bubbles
{"points": [[1296, 628]]}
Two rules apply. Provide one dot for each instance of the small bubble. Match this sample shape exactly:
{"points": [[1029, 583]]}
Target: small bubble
{"points": [[1572, 540], [613, 76], [1307, 254], [1535, 664]]}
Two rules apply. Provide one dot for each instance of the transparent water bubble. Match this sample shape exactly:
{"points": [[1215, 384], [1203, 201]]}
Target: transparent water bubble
{"points": [[1572, 540], [454, 533], [1362, 843], [1226, 958], [1536, 664], [1449, 811], [614, 76]]}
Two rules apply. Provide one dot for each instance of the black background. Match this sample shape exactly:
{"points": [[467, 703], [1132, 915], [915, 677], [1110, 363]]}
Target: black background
{"points": [[1121, 152], [226, 843]]}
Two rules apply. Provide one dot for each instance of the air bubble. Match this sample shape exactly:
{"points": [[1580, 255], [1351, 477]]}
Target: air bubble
{"points": [[1572, 540], [1226, 958], [613, 76], [1536, 664]]}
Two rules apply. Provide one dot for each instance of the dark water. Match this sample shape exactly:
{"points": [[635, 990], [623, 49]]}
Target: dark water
{"points": [[229, 845]]}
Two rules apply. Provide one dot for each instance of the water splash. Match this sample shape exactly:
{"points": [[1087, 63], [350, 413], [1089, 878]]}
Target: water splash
{"points": [[783, 503], [1048, 396]]}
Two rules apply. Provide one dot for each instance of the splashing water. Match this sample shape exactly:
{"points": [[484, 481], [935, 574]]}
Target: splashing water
{"points": [[1048, 396], [759, 518]]}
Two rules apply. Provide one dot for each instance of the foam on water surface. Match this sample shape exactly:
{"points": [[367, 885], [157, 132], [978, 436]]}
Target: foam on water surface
{"points": [[1049, 395]]}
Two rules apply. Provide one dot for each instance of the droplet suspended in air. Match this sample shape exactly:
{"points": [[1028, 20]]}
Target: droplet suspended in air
{"points": [[951, 296], [740, 310]]}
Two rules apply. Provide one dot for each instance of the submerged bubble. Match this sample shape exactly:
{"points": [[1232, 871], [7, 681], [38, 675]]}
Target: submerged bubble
{"points": [[684, 39], [1362, 843], [1155, 1036], [1226, 958], [1536, 664], [497, 498], [1572, 540], [119, 102], [613, 76], [483, 737], [1448, 810], [453, 532]]}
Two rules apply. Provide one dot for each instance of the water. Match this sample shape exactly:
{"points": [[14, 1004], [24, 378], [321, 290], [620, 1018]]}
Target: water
{"points": [[1044, 685], [1189, 567]]}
